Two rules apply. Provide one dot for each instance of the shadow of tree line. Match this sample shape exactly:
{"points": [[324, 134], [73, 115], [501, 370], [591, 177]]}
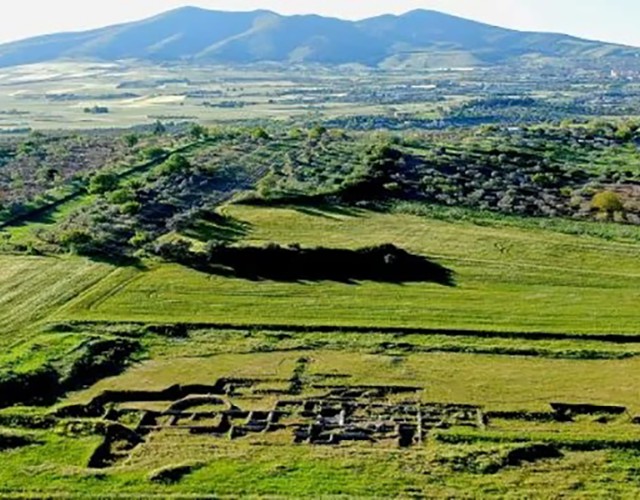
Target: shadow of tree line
{"points": [[384, 263], [212, 226]]}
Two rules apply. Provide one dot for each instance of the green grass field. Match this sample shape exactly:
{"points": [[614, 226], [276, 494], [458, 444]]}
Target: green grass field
{"points": [[451, 463], [31, 288], [493, 381], [508, 279], [548, 317]]}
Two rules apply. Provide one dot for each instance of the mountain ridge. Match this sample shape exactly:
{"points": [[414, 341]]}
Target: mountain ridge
{"points": [[194, 34]]}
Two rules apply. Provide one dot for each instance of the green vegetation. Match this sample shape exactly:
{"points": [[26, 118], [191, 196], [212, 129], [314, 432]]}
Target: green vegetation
{"points": [[31, 288], [446, 307], [44, 368], [534, 271], [608, 203], [505, 455], [103, 182]]}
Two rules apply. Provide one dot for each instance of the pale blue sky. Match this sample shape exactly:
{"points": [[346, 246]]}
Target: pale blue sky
{"points": [[612, 20]]}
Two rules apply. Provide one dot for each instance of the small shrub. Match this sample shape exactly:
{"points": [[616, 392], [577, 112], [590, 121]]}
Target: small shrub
{"points": [[76, 240], [317, 133], [131, 140], [130, 208], [174, 251], [173, 473], [198, 132], [121, 196], [175, 164], [259, 133], [607, 202], [103, 182], [153, 153]]}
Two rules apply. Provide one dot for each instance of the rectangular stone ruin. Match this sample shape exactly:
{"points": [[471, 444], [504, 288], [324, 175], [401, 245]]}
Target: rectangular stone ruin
{"points": [[342, 414]]}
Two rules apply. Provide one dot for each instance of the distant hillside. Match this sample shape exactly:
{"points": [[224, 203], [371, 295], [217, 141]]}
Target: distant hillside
{"points": [[197, 35]]}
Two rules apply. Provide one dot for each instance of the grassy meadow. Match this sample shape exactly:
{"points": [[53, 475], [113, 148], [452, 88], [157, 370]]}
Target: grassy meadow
{"points": [[493, 381], [508, 279], [135, 362], [597, 458], [31, 288], [537, 316]]}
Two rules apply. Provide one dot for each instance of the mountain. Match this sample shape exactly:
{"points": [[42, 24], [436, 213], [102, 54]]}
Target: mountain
{"points": [[205, 36]]}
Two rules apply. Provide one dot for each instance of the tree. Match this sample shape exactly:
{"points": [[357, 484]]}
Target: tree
{"points": [[175, 164], [76, 240], [607, 202], [268, 186], [259, 133], [295, 133], [97, 110], [198, 132], [103, 182], [317, 133], [382, 160], [140, 239], [121, 196], [159, 128], [174, 251], [154, 152], [131, 140]]}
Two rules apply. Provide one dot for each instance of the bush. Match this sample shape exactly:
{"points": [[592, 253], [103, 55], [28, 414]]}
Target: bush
{"points": [[103, 182], [97, 110], [198, 132], [131, 140], [174, 251], [10, 441], [121, 196], [173, 473], [153, 153], [317, 133], [175, 164], [130, 208], [76, 240], [159, 128], [607, 202], [259, 133], [140, 239]]}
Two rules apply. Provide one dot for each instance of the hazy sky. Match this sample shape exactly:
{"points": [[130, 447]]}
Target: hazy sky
{"points": [[613, 20]]}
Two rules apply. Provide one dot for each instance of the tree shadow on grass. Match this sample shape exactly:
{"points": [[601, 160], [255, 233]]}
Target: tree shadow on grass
{"points": [[212, 226], [384, 263]]}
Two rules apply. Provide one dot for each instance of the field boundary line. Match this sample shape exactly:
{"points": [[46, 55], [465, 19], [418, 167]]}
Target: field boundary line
{"points": [[614, 338]]}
